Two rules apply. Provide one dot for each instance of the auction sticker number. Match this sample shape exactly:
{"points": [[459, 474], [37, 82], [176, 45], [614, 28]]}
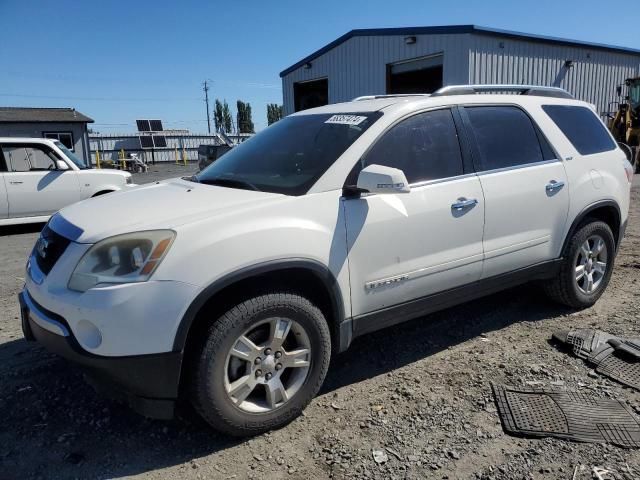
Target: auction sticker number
{"points": [[346, 119]]}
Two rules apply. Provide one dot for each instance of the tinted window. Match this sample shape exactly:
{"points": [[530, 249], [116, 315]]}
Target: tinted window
{"points": [[505, 137], [424, 147], [289, 156], [582, 127]]}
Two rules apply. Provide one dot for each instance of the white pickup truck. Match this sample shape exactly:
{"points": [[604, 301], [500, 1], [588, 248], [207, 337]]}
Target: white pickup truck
{"points": [[38, 177]]}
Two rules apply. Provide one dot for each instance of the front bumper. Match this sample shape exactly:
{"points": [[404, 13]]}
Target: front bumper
{"points": [[148, 383]]}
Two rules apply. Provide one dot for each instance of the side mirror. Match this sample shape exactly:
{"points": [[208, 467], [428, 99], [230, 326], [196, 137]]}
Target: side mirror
{"points": [[380, 179], [62, 165]]}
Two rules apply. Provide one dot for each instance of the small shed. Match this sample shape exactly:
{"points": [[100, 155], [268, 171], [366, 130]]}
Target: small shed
{"points": [[64, 124]]}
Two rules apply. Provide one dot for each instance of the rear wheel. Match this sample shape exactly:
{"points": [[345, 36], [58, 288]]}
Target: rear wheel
{"points": [[586, 268], [261, 363]]}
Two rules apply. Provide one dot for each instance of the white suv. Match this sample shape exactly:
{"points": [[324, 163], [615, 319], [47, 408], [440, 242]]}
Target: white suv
{"points": [[235, 287], [38, 177]]}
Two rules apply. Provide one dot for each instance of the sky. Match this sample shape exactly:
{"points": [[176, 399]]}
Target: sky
{"points": [[117, 61]]}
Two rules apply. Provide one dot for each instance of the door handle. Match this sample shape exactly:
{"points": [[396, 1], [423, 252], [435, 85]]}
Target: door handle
{"points": [[552, 186], [463, 203], [15, 182]]}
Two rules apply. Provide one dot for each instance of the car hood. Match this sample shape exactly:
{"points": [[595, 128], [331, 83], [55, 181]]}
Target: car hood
{"points": [[166, 204]]}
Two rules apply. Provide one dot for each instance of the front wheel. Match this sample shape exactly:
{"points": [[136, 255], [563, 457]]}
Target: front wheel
{"points": [[261, 364], [586, 268]]}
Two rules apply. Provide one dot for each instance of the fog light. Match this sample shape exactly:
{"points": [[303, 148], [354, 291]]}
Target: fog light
{"points": [[88, 334]]}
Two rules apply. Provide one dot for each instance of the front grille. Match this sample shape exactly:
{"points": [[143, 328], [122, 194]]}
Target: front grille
{"points": [[49, 248]]}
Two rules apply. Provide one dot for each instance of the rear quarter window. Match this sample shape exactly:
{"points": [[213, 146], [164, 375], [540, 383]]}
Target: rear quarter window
{"points": [[582, 128]]}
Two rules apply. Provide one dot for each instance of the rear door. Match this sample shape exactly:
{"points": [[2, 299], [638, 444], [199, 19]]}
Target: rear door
{"points": [[406, 246], [524, 184], [35, 186]]}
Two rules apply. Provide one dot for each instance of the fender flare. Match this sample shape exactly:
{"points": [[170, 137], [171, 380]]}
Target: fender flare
{"points": [[585, 213], [320, 270]]}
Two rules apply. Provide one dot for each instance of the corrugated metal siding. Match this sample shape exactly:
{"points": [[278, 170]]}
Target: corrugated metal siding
{"points": [[110, 146], [593, 78], [358, 66]]}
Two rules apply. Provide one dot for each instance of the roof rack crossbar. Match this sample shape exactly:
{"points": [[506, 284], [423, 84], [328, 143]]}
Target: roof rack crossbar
{"points": [[535, 90], [394, 95]]}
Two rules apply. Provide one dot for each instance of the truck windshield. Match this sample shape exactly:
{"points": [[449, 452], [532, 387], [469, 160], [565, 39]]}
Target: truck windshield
{"points": [[290, 155], [71, 156]]}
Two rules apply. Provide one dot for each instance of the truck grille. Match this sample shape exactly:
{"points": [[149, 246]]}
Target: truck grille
{"points": [[49, 248]]}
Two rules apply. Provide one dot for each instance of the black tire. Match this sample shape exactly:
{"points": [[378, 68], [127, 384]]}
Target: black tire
{"points": [[208, 393], [563, 288]]}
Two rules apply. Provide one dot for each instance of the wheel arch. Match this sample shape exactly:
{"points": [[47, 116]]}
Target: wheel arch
{"points": [[309, 277], [607, 211]]}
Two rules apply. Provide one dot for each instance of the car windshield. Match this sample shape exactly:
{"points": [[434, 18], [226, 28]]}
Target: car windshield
{"points": [[289, 156], [71, 156]]}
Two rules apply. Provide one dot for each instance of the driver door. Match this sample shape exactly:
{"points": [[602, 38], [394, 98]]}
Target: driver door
{"points": [[404, 247], [35, 185]]}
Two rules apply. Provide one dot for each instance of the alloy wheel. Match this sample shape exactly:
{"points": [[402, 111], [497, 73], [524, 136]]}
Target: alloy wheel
{"points": [[267, 365], [591, 264]]}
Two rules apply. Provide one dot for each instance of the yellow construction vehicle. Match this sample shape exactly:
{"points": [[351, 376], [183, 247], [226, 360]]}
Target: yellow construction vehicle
{"points": [[625, 123]]}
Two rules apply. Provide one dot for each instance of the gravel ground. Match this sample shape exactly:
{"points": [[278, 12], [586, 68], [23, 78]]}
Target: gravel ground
{"points": [[413, 401]]}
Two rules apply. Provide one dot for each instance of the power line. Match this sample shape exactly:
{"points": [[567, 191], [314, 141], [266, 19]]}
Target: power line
{"points": [[102, 99]]}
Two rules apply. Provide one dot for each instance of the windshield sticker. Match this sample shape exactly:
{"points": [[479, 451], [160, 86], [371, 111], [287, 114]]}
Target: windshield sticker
{"points": [[346, 119]]}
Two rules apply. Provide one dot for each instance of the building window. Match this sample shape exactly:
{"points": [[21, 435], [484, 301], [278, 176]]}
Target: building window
{"points": [[66, 138]]}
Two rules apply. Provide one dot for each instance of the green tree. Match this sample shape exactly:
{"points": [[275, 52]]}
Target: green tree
{"points": [[227, 118], [218, 116], [274, 113], [245, 123]]}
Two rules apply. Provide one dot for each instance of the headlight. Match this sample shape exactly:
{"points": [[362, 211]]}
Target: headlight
{"points": [[127, 258]]}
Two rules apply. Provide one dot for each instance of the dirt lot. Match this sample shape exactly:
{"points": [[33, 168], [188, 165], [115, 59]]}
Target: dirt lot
{"points": [[420, 393]]}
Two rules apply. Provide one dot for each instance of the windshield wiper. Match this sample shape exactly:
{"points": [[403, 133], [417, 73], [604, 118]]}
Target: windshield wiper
{"points": [[229, 182]]}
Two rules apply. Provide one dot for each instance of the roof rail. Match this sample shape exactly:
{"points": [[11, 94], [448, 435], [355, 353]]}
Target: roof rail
{"points": [[535, 90], [394, 95]]}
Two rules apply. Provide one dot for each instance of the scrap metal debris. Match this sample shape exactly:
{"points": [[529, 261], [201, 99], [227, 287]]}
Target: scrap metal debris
{"points": [[537, 412], [615, 357]]}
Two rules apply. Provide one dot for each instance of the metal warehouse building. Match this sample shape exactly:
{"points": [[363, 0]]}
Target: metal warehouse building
{"points": [[423, 59]]}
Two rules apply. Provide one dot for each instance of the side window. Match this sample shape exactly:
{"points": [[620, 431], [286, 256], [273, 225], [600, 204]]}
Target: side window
{"points": [[582, 127], [21, 158], [39, 159], [425, 147], [505, 137], [16, 158]]}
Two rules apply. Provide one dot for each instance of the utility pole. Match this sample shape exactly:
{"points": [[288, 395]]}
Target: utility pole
{"points": [[205, 87]]}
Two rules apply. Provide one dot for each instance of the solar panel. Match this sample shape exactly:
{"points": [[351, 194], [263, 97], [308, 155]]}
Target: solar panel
{"points": [[159, 141], [146, 141], [143, 125], [156, 125]]}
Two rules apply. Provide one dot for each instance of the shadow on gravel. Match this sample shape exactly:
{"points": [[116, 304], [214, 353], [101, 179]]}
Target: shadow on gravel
{"points": [[46, 407], [386, 350], [21, 229]]}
